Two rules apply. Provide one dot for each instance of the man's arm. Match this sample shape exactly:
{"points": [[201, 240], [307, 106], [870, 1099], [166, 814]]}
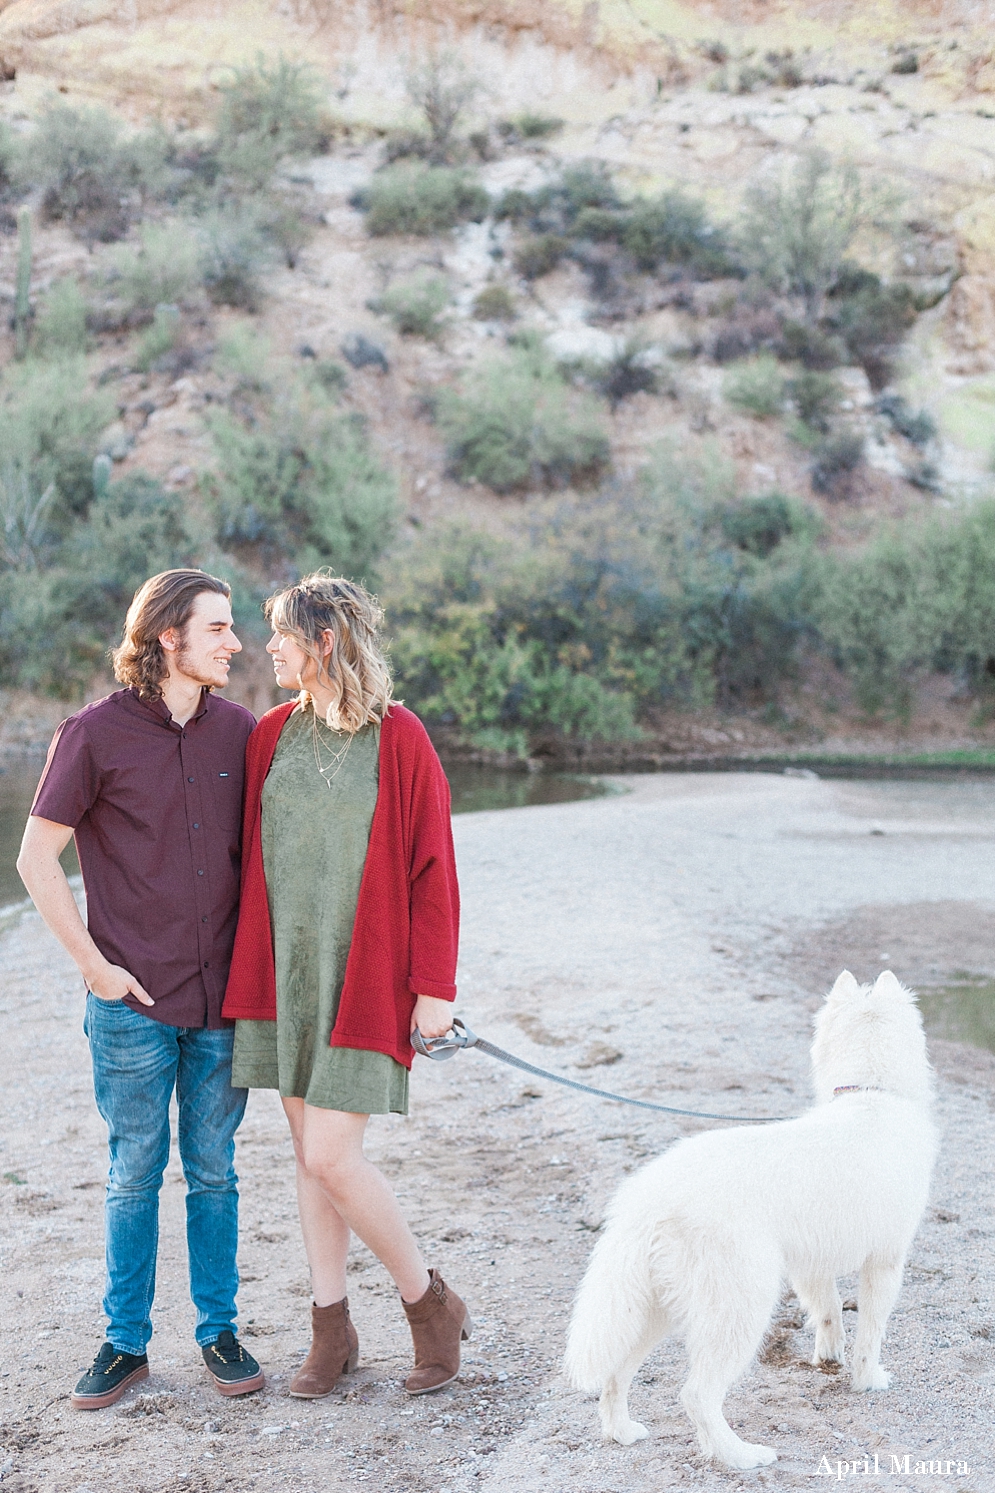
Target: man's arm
{"points": [[38, 867]]}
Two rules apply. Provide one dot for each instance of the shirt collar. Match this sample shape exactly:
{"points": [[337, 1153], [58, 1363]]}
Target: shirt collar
{"points": [[160, 710]]}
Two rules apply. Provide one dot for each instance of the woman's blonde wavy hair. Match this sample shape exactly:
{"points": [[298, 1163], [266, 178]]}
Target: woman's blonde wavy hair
{"points": [[356, 670]]}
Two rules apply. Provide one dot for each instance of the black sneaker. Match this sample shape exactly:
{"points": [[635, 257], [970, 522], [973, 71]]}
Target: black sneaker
{"points": [[234, 1371], [109, 1377]]}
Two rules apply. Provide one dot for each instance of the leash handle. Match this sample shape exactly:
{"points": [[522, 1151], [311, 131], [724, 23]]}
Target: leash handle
{"points": [[445, 1047]]}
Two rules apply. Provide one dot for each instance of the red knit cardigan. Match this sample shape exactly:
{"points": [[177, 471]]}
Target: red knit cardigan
{"points": [[404, 939]]}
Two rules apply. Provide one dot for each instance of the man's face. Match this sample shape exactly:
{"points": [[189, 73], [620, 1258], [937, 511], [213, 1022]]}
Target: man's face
{"points": [[201, 651]]}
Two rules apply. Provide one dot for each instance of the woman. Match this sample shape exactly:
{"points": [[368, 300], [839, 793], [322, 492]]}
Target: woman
{"points": [[346, 942]]}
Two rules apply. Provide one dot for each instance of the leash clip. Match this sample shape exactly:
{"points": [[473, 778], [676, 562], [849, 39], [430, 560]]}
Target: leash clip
{"points": [[443, 1048]]}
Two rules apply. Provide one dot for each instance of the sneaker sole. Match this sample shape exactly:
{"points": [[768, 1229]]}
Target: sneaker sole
{"points": [[240, 1386], [111, 1397]]}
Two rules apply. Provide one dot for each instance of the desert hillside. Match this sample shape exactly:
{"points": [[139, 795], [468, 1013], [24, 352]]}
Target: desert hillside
{"points": [[730, 268]]}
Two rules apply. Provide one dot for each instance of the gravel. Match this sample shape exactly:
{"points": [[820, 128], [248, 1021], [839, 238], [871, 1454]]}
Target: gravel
{"points": [[669, 942]]}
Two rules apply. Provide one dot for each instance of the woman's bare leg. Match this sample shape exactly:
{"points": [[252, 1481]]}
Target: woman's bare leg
{"points": [[339, 1190]]}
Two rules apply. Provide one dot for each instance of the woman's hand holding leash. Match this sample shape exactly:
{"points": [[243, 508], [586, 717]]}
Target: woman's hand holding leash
{"points": [[433, 1017]]}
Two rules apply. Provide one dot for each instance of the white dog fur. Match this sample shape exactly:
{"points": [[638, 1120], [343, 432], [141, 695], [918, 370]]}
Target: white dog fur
{"points": [[699, 1242]]}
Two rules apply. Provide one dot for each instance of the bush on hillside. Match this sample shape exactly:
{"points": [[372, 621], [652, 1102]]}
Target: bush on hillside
{"points": [[416, 306], [919, 427], [494, 303], [443, 89], [421, 200], [797, 226], [515, 423], [55, 627], [51, 424], [816, 397], [269, 113], [60, 321], [756, 386], [93, 176], [539, 256], [233, 256], [836, 458], [296, 484], [674, 229], [164, 269]]}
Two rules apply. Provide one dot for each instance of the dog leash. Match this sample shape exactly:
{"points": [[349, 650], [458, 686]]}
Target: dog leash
{"points": [[442, 1048]]}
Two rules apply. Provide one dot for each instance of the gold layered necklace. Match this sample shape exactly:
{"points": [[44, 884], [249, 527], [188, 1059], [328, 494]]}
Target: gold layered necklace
{"points": [[327, 770]]}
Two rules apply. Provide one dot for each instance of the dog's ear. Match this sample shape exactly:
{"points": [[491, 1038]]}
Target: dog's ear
{"points": [[888, 983], [846, 988]]}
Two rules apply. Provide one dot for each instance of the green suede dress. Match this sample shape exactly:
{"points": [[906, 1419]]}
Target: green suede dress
{"points": [[314, 839]]}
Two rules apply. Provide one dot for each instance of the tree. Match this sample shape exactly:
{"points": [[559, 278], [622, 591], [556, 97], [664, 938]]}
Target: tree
{"points": [[798, 227]]}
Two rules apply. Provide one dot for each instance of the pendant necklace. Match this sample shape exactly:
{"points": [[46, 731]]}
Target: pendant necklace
{"points": [[329, 769]]}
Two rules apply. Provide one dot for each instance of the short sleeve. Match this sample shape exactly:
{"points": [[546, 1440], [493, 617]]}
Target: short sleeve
{"points": [[70, 781]]}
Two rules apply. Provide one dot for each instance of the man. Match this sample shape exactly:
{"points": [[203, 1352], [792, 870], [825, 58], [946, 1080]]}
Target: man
{"points": [[150, 782]]}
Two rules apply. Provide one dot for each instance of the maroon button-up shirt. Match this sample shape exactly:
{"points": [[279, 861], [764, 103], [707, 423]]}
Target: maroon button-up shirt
{"points": [[156, 810]]}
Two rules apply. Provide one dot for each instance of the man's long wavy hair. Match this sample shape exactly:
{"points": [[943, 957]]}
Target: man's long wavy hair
{"points": [[164, 601], [356, 671]]}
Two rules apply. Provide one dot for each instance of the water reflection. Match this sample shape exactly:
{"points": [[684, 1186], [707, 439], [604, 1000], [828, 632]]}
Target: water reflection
{"points": [[474, 788]]}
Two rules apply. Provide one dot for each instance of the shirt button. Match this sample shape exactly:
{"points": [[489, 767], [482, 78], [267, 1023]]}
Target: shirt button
{"points": [[196, 826], [200, 873], [189, 780], [203, 920], [207, 963]]}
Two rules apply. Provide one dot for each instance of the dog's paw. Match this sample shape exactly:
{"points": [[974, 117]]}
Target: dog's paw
{"points": [[745, 1456], [628, 1432], [829, 1348], [876, 1378]]}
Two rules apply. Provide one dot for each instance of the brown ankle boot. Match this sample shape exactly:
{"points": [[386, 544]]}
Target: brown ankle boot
{"points": [[439, 1321], [334, 1352]]}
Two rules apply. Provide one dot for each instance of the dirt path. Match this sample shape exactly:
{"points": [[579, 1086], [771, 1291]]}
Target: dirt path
{"points": [[669, 943]]}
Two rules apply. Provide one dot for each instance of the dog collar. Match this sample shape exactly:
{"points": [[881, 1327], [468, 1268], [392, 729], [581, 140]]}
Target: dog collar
{"points": [[858, 1088]]}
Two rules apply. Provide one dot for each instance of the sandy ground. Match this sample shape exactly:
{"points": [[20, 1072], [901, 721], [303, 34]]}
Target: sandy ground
{"points": [[670, 943]]}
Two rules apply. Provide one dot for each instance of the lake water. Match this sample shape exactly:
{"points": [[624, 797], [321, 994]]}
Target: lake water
{"points": [[474, 789]]}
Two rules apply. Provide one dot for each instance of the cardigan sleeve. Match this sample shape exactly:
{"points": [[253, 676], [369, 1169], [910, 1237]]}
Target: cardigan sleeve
{"points": [[434, 891]]}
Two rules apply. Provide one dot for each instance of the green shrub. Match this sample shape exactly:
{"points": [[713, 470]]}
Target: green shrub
{"points": [[234, 254], [540, 255], [60, 324], [796, 228], [811, 346], [837, 457], [422, 200], [674, 229], [533, 126], [515, 424], [872, 319], [917, 427], [92, 175], [288, 221], [165, 269], [494, 303], [268, 114], [161, 338], [758, 525], [558, 206], [757, 386], [416, 305], [50, 424], [816, 397], [628, 372], [296, 482], [442, 88], [56, 627]]}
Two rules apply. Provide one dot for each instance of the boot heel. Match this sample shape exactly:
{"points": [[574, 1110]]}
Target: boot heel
{"points": [[467, 1329], [351, 1362]]}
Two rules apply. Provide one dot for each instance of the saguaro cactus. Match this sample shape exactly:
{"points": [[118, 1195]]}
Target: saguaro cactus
{"points": [[22, 297]]}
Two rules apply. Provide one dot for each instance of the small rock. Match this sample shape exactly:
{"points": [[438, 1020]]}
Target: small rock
{"points": [[360, 352]]}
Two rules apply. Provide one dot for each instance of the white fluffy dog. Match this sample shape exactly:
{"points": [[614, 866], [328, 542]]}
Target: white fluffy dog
{"points": [[699, 1242]]}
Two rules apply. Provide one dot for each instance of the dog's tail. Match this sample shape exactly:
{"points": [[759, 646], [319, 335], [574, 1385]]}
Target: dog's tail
{"points": [[613, 1309]]}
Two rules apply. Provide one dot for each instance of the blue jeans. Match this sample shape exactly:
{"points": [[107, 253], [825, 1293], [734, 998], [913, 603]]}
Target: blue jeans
{"points": [[137, 1063]]}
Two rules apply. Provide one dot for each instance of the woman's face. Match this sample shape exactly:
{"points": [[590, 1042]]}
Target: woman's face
{"points": [[293, 668]]}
